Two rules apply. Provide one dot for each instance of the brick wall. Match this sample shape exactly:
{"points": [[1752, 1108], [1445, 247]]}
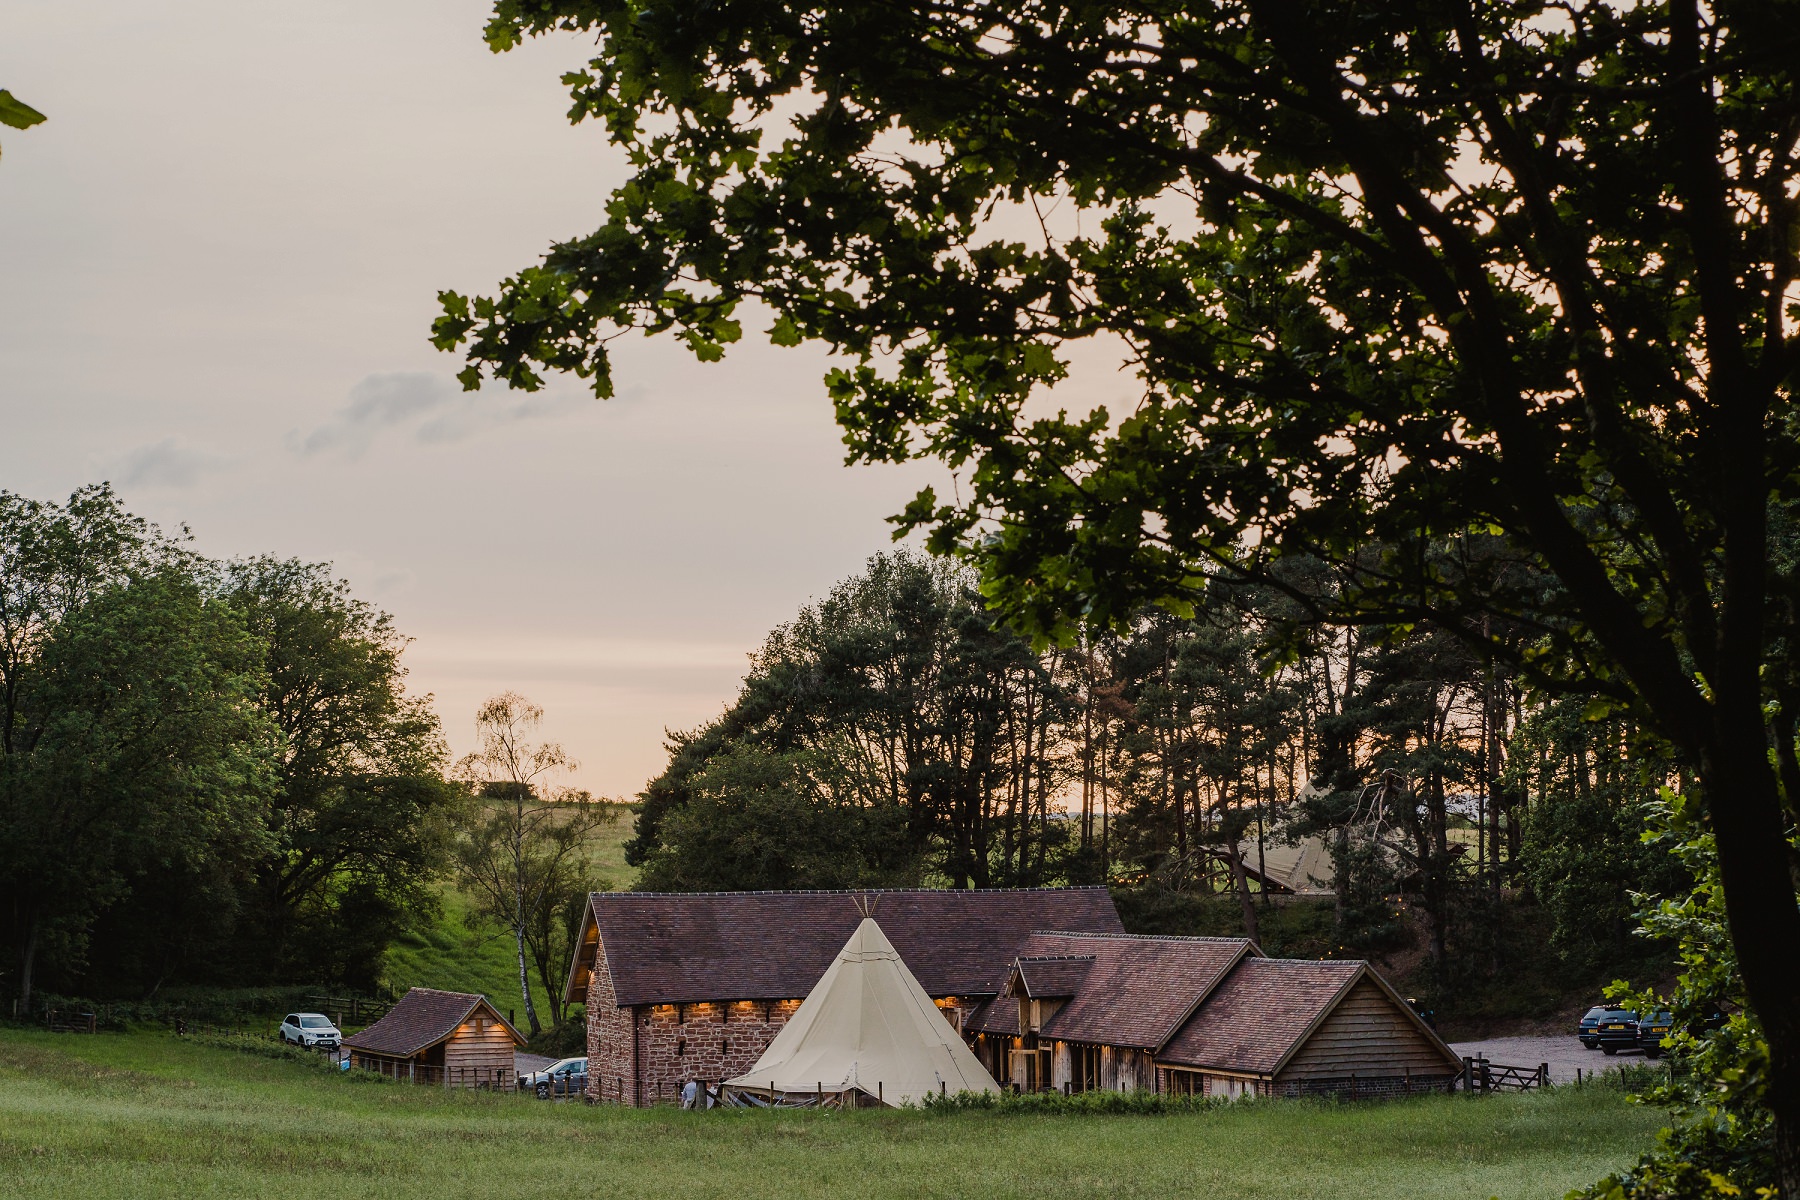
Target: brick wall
{"points": [[711, 1042], [609, 1048], [673, 1043], [1379, 1087]]}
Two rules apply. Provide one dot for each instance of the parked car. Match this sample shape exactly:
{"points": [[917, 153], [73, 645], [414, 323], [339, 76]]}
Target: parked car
{"points": [[311, 1029], [565, 1078], [1588, 1031], [1617, 1029], [1652, 1030]]}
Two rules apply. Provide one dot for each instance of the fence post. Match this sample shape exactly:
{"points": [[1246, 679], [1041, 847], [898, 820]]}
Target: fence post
{"points": [[1543, 1075], [1468, 1074]]}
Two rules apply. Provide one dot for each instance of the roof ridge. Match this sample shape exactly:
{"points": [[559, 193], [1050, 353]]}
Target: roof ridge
{"points": [[1152, 937], [1055, 958]]}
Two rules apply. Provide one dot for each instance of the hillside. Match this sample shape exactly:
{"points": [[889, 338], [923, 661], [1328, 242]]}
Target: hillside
{"points": [[448, 953]]}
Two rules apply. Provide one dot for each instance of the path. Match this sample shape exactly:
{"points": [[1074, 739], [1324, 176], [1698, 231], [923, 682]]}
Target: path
{"points": [[1562, 1051]]}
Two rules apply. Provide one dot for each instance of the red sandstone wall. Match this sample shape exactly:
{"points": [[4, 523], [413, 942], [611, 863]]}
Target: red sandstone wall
{"points": [[608, 1035], [711, 1042]]}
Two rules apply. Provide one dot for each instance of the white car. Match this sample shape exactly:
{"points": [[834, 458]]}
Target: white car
{"points": [[311, 1029]]}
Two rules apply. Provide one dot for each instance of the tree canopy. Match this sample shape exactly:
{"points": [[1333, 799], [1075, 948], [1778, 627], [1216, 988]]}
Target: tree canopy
{"points": [[209, 773], [1516, 275]]}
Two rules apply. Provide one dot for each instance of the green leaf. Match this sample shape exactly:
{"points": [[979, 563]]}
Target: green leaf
{"points": [[784, 332], [16, 113]]}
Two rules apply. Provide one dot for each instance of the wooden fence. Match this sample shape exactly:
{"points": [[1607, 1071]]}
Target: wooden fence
{"points": [[498, 1079], [357, 1010], [58, 1020], [1481, 1077]]}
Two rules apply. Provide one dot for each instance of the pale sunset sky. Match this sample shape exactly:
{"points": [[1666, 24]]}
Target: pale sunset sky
{"points": [[221, 255]]}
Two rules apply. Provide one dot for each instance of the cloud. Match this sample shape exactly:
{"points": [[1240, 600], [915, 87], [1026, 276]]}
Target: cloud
{"points": [[167, 463], [380, 402], [433, 407]]}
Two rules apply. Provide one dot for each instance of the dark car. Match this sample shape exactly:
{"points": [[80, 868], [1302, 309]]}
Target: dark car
{"points": [[1652, 1030], [1616, 1030], [1588, 1030]]}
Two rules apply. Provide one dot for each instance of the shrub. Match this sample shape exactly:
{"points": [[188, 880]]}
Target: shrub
{"points": [[215, 1006], [1134, 1103]]}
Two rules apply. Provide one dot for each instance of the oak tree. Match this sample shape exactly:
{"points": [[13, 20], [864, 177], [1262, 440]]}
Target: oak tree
{"points": [[1389, 272]]}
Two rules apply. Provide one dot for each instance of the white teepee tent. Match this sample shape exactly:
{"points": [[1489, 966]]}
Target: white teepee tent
{"points": [[868, 1031]]}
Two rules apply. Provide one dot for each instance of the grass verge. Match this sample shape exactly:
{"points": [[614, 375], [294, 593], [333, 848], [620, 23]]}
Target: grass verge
{"points": [[146, 1115]]}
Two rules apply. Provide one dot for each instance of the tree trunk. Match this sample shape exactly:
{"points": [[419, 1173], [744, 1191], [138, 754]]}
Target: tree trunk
{"points": [[531, 1017], [519, 916], [27, 962], [1241, 883], [1760, 908]]}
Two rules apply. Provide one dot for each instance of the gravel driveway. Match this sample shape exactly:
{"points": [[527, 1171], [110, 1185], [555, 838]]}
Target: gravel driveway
{"points": [[1562, 1051]]}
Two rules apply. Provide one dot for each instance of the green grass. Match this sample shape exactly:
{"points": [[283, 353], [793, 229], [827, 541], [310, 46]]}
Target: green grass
{"points": [[143, 1115], [448, 954]]}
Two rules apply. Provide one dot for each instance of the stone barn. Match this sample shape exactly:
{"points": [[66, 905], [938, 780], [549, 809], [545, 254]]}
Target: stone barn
{"points": [[695, 986], [456, 1039]]}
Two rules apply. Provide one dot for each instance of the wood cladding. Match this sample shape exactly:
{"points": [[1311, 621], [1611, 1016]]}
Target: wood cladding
{"points": [[1365, 1034]]}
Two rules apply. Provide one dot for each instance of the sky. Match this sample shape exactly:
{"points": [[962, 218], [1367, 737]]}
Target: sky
{"points": [[220, 258]]}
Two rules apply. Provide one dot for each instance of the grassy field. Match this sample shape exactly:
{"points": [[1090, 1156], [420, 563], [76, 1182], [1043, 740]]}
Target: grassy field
{"points": [[143, 1115], [449, 954]]}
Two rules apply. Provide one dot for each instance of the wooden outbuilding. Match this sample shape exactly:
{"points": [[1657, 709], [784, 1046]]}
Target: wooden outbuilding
{"points": [[456, 1039], [1209, 1016], [1082, 1012], [1295, 1027]]}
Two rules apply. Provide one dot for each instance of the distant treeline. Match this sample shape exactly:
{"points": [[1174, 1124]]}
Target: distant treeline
{"points": [[210, 772], [894, 734]]}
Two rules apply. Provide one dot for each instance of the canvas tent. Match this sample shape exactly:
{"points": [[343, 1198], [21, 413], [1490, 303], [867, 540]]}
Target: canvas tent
{"points": [[866, 1033]]}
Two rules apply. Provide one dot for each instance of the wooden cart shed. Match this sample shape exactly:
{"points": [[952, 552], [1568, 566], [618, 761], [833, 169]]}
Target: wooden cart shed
{"points": [[456, 1039], [1293, 1027]]}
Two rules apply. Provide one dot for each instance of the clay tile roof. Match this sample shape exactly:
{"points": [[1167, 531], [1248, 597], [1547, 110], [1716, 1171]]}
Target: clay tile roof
{"points": [[1054, 976], [1134, 991], [1260, 1013], [423, 1018], [674, 948], [1140, 989]]}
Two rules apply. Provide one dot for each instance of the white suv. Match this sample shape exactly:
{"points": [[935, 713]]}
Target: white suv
{"points": [[311, 1029]]}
